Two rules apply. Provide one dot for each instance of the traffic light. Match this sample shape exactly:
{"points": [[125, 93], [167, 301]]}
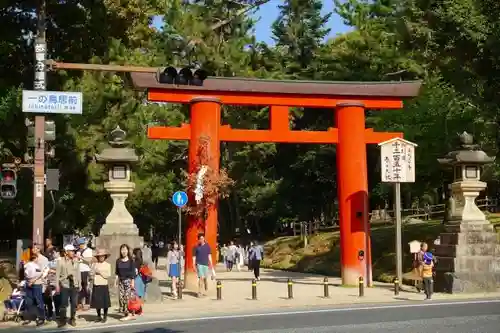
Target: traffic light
{"points": [[185, 76], [167, 76], [49, 132], [8, 184]]}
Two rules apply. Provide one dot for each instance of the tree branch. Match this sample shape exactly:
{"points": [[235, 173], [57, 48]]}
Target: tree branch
{"points": [[238, 13], [222, 23]]}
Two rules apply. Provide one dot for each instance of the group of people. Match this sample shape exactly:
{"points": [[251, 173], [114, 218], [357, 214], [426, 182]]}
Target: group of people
{"points": [[239, 256], [76, 276], [79, 277]]}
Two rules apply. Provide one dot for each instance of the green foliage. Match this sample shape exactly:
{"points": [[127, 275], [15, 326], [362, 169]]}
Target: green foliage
{"points": [[449, 45]]}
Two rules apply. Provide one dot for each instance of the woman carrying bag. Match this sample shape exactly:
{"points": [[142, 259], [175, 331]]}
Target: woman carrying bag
{"points": [[101, 272], [125, 276]]}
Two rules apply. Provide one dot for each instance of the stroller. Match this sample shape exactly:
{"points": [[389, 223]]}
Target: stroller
{"points": [[15, 305]]}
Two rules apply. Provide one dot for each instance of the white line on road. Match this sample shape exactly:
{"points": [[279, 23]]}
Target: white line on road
{"points": [[271, 314]]}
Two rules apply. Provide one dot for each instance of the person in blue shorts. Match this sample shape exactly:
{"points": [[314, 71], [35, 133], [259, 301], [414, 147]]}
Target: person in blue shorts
{"points": [[202, 261]]}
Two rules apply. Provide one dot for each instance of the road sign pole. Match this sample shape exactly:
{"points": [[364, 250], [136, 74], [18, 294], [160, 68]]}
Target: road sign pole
{"points": [[39, 168], [180, 199], [399, 231], [179, 212], [397, 159]]}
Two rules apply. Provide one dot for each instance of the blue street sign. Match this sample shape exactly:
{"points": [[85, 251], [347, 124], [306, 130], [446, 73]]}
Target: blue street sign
{"points": [[52, 102], [180, 198]]}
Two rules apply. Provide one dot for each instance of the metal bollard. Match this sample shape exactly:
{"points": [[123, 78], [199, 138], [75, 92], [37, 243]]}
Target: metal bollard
{"points": [[326, 290], [219, 290], [361, 287], [290, 288], [180, 287], [396, 286], [254, 289]]}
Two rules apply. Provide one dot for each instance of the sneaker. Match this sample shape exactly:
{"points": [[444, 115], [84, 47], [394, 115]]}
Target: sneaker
{"points": [[72, 322]]}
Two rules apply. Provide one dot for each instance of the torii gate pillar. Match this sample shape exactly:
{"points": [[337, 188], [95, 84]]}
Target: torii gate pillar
{"points": [[205, 122], [352, 186]]}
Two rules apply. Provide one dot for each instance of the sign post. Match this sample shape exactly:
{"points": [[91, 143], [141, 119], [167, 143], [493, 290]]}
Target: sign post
{"points": [[398, 166], [39, 85], [180, 199], [42, 102]]}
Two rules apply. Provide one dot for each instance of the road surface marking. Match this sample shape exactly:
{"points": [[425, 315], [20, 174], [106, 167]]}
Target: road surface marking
{"points": [[271, 314]]}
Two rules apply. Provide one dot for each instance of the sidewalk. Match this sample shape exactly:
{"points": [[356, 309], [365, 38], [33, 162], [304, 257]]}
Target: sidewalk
{"points": [[271, 295]]}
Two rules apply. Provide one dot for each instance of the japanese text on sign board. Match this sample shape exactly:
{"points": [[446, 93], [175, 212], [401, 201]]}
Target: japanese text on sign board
{"points": [[398, 162], [54, 102]]}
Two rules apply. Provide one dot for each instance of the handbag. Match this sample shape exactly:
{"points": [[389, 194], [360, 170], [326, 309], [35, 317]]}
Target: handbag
{"points": [[134, 303], [146, 274]]}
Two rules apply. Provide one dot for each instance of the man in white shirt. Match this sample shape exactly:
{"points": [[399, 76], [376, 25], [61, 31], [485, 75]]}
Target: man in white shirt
{"points": [[85, 256]]}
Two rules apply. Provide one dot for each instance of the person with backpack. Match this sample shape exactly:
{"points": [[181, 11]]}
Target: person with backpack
{"points": [[174, 266], [139, 280], [427, 274]]}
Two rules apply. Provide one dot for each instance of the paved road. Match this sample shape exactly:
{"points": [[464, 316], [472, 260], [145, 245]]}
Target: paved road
{"points": [[481, 316]]}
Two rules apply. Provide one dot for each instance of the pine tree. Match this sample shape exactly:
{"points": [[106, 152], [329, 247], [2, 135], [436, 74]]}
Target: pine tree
{"points": [[299, 32]]}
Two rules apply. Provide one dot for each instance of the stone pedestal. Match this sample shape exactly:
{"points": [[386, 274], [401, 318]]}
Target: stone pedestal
{"points": [[120, 229], [469, 252]]}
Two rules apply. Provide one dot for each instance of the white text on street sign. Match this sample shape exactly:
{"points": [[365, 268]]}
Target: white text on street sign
{"points": [[397, 159], [52, 102]]}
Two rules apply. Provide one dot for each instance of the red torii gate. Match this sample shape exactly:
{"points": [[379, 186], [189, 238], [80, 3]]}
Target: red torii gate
{"points": [[348, 99]]}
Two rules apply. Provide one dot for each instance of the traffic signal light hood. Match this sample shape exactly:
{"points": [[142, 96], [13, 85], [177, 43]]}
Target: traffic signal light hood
{"points": [[185, 76]]}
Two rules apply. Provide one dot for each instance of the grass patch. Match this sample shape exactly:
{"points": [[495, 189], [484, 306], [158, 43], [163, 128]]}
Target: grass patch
{"points": [[322, 255]]}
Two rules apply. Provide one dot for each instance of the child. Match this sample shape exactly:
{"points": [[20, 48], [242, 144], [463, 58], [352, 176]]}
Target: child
{"points": [[14, 302], [427, 267]]}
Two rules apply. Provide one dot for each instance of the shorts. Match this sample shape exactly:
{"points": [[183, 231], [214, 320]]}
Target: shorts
{"points": [[202, 271]]}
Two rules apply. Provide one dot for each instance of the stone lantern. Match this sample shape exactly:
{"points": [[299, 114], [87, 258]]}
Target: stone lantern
{"points": [[119, 227], [467, 185], [469, 252]]}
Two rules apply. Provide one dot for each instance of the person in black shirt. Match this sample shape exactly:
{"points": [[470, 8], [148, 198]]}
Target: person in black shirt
{"points": [[125, 274], [155, 253], [50, 250]]}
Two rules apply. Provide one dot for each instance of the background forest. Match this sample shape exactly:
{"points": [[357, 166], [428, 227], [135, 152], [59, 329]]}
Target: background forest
{"points": [[451, 45]]}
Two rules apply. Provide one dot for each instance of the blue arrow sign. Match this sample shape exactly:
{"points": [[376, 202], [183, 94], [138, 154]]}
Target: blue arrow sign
{"points": [[180, 198]]}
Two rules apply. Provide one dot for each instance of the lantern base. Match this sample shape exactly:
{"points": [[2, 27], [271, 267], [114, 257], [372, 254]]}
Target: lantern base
{"points": [[468, 258]]}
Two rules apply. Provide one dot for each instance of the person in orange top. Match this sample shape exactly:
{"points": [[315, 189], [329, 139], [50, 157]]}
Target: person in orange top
{"points": [[426, 271]]}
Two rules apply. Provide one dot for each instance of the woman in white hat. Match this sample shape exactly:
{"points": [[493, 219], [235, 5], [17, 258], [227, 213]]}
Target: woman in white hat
{"points": [[101, 272]]}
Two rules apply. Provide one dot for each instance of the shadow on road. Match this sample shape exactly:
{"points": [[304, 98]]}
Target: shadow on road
{"points": [[147, 330], [91, 317]]}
